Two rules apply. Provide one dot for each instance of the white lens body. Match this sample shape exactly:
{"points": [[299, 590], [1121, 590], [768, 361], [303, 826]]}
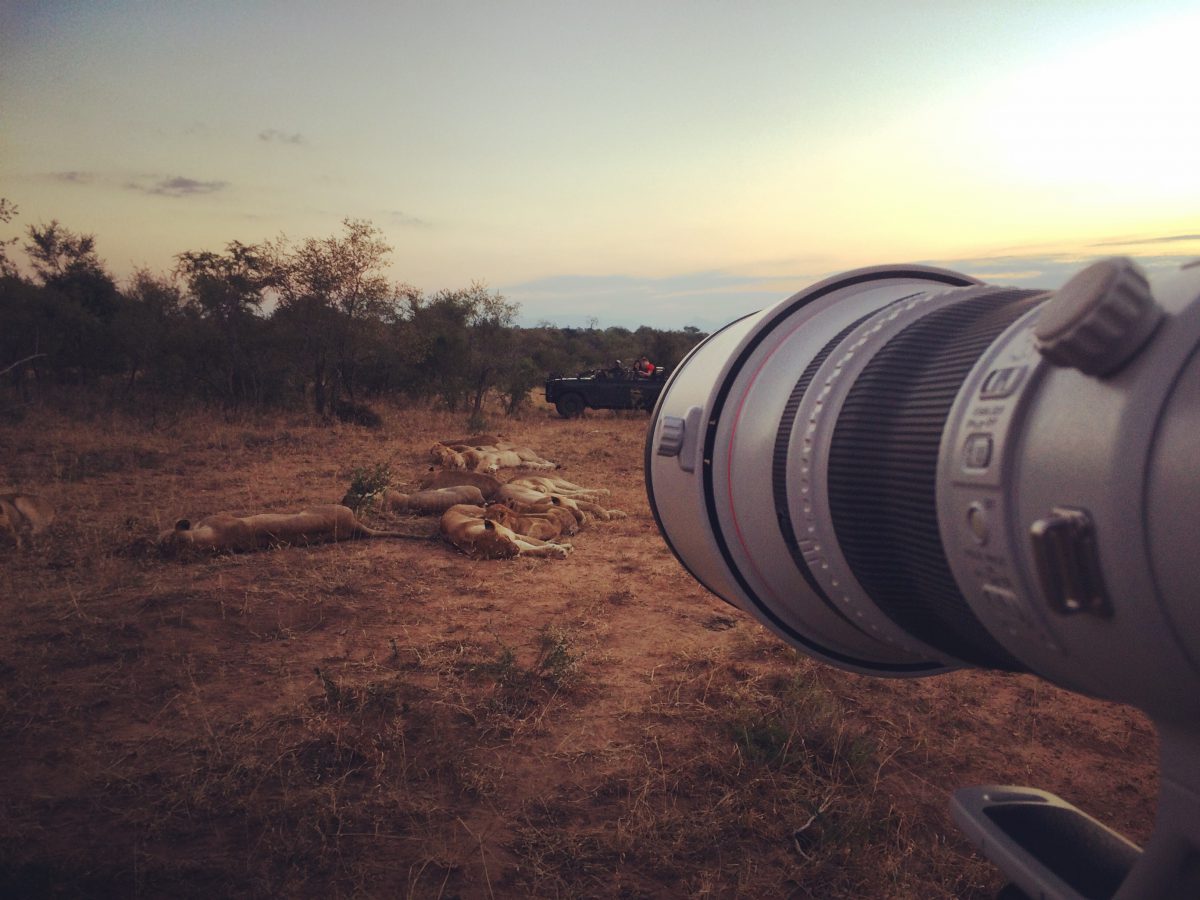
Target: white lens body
{"points": [[1025, 440], [714, 500]]}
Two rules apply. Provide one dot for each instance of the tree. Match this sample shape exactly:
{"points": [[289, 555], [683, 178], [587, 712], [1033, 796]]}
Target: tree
{"points": [[78, 302], [8, 268], [333, 297], [464, 344], [152, 329], [490, 342], [227, 291]]}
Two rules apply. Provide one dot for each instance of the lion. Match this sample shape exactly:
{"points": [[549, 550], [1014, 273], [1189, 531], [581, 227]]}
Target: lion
{"points": [[526, 503], [446, 457], [550, 525], [551, 484], [491, 460], [487, 458], [466, 528], [434, 501], [525, 499], [530, 457], [315, 525], [442, 478], [522, 496], [23, 517]]}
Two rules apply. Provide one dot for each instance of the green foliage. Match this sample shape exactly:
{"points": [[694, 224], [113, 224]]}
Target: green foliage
{"points": [[556, 662], [225, 291], [366, 483], [555, 667]]}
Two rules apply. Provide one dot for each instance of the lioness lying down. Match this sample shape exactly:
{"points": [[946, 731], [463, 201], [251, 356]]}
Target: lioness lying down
{"points": [[545, 526], [487, 458], [440, 478], [315, 525], [467, 529], [23, 516], [491, 460], [522, 496], [434, 501], [551, 484]]}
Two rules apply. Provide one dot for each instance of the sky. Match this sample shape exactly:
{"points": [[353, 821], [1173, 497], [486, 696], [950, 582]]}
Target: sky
{"points": [[611, 162]]}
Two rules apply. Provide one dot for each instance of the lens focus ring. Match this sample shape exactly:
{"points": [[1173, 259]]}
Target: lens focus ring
{"points": [[882, 471]]}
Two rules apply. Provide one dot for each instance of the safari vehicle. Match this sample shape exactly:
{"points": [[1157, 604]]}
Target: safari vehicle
{"points": [[604, 389]]}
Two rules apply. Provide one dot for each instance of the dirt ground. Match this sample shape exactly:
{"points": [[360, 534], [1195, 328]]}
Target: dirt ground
{"points": [[391, 718]]}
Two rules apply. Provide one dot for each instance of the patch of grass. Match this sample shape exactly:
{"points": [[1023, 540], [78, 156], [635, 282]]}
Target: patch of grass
{"points": [[521, 689], [366, 484], [649, 742], [253, 440], [477, 422], [74, 465], [557, 663]]}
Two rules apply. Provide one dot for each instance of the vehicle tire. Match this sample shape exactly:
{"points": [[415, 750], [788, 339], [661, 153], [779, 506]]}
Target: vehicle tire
{"points": [[569, 406]]}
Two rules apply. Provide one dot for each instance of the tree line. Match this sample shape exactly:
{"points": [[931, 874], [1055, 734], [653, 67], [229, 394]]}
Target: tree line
{"points": [[282, 324]]}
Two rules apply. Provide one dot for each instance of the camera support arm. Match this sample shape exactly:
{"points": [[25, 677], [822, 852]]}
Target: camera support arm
{"points": [[1051, 850], [1170, 865]]}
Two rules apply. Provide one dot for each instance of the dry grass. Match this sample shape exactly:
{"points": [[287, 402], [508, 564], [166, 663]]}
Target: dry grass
{"points": [[393, 719]]}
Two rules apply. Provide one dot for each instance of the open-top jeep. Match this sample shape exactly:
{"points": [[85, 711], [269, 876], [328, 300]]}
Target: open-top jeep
{"points": [[604, 389]]}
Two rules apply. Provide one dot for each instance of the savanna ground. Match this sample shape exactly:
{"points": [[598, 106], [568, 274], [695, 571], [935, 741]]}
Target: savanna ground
{"points": [[391, 718]]}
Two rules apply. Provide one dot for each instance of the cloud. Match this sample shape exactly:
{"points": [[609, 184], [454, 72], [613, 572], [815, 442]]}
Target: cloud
{"points": [[1166, 239], [179, 187], [73, 177], [274, 135], [399, 217], [710, 299], [1051, 270]]}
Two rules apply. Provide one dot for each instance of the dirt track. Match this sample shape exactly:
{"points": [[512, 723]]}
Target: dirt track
{"points": [[392, 718]]}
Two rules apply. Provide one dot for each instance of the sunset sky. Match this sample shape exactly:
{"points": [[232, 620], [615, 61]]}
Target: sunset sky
{"points": [[662, 163]]}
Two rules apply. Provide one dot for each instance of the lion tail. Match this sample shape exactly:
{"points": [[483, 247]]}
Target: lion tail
{"points": [[415, 534]]}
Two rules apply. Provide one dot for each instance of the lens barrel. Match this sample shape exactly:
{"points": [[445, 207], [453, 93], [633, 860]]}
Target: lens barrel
{"points": [[813, 455], [901, 471]]}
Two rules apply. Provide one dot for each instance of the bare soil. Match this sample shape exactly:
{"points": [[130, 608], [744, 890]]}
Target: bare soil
{"points": [[391, 718]]}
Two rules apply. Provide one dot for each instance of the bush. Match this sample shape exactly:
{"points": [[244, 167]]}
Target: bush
{"points": [[366, 483]]}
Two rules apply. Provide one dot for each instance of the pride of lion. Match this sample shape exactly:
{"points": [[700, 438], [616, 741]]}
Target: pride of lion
{"points": [[529, 514], [478, 513], [481, 515]]}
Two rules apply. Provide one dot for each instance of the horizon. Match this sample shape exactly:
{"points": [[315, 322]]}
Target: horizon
{"points": [[671, 165]]}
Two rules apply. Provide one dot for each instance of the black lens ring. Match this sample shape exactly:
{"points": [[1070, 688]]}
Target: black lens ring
{"points": [[882, 472]]}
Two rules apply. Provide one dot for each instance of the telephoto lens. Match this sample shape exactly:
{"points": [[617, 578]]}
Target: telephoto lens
{"points": [[901, 471]]}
